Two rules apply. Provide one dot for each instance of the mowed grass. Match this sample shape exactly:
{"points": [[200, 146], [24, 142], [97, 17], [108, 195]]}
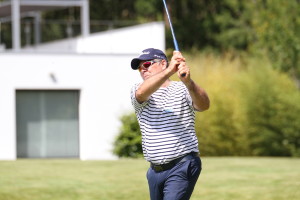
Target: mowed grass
{"points": [[222, 178]]}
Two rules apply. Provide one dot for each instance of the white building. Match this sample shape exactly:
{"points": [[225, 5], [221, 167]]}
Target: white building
{"points": [[64, 99]]}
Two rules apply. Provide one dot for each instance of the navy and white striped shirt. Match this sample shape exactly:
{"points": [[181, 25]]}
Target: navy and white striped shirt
{"points": [[167, 123]]}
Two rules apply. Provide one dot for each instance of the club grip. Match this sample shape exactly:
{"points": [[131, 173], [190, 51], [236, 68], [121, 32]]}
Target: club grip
{"points": [[177, 49], [183, 74]]}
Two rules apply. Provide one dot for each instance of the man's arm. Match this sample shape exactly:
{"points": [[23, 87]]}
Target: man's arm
{"points": [[199, 96], [150, 85]]}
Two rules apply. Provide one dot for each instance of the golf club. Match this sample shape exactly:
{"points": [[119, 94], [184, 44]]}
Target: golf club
{"points": [[172, 31]]}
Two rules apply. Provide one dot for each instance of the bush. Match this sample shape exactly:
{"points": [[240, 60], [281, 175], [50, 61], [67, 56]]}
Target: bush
{"points": [[128, 143], [220, 130], [254, 110], [273, 112]]}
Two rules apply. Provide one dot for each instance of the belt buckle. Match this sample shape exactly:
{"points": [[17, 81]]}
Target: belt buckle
{"points": [[158, 168]]}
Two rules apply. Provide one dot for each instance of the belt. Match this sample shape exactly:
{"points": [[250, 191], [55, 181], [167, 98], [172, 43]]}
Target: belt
{"points": [[163, 167]]}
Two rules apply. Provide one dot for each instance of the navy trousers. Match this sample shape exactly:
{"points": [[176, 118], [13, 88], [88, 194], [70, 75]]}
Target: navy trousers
{"points": [[176, 183]]}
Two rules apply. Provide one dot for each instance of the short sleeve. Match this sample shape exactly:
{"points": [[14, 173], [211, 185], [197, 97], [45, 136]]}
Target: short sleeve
{"points": [[137, 106]]}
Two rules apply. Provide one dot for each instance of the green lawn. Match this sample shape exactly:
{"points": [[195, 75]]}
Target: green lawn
{"points": [[225, 178]]}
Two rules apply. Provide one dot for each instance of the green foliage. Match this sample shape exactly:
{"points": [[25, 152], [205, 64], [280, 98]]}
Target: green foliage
{"points": [[6, 37], [148, 10], [129, 143], [263, 26], [254, 110], [233, 25], [277, 30], [221, 129], [112, 9], [273, 112]]}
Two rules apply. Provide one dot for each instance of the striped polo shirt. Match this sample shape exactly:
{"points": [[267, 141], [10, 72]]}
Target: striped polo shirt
{"points": [[167, 123]]}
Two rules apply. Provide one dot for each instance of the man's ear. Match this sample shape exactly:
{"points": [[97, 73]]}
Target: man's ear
{"points": [[164, 63]]}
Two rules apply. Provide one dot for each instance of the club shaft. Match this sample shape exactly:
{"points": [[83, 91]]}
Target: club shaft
{"points": [[172, 31]]}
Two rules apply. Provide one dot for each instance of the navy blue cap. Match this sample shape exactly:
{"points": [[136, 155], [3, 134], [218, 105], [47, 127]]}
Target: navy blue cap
{"points": [[148, 54]]}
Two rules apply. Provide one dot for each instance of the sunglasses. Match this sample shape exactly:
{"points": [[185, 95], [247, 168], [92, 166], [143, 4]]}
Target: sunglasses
{"points": [[147, 64]]}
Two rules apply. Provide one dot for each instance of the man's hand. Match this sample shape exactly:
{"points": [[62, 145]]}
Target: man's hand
{"points": [[184, 69], [176, 59], [178, 65]]}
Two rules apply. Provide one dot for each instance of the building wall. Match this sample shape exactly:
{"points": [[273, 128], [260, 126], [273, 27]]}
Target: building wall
{"points": [[104, 81]]}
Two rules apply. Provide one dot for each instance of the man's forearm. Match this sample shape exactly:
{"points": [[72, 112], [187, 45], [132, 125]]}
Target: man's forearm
{"points": [[150, 85], [199, 96]]}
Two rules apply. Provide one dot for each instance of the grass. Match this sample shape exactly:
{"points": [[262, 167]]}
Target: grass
{"points": [[222, 178]]}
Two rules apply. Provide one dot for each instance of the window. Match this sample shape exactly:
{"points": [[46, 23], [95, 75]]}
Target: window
{"points": [[47, 123]]}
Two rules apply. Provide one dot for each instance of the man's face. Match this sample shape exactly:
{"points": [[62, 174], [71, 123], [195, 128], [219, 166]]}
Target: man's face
{"points": [[150, 68]]}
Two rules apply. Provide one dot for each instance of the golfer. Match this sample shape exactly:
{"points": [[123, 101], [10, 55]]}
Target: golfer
{"points": [[165, 111]]}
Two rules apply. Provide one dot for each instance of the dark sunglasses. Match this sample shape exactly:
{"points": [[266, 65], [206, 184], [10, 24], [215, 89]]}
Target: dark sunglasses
{"points": [[147, 64]]}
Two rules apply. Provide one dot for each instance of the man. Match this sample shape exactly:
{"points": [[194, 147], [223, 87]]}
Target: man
{"points": [[165, 111]]}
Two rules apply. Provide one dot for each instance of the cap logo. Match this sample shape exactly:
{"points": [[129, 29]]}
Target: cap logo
{"points": [[145, 52], [157, 56]]}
